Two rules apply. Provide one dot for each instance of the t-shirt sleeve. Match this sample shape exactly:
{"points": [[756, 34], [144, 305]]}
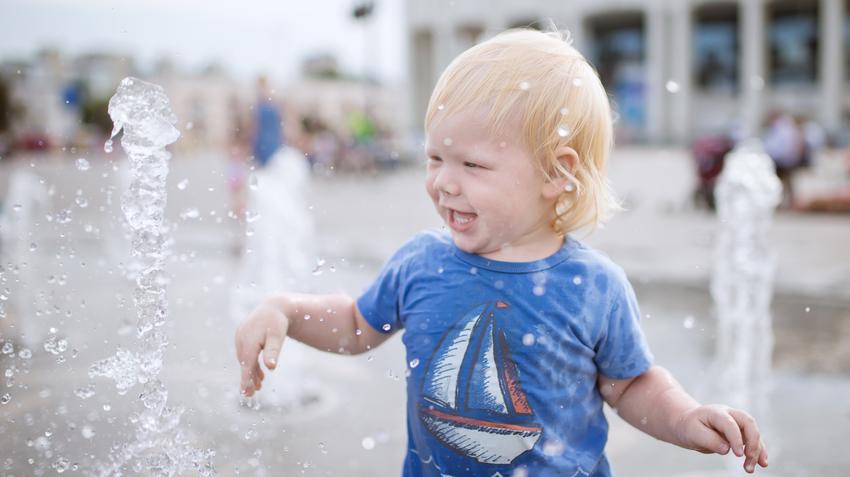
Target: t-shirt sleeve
{"points": [[622, 351], [380, 304]]}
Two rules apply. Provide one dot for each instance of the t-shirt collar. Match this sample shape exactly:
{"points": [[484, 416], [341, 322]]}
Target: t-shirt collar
{"points": [[518, 267]]}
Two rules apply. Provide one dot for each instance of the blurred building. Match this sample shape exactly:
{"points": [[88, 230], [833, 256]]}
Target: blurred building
{"points": [[674, 68], [210, 104]]}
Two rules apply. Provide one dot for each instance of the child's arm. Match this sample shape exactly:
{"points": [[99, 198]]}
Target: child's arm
{"points": [[326, 322], [656, 404]]}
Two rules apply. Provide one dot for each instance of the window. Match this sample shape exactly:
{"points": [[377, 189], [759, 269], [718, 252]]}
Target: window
{"points": [[716, 51], [793, 43], [618, 52]]}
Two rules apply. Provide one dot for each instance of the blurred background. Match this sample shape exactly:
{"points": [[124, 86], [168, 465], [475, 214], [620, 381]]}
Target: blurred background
{"points": [[340, 87]]}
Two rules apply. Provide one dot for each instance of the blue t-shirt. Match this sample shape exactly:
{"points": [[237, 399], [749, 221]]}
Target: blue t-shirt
{"points": [[504, 356]]}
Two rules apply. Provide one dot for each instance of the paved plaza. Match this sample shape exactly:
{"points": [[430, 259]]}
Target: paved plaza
{"points": [[351, 422]]}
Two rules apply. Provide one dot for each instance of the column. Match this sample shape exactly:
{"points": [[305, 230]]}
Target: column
{"points": [[752, 75], [831, 67], [682, 72], [444, 46], [655, 32]]}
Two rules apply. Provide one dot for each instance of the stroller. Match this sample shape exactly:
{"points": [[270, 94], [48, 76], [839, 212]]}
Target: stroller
{"points": [[709, 153]]}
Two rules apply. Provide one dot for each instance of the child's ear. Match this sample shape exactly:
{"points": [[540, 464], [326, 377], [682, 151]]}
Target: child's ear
{"points": [[562, 174]]}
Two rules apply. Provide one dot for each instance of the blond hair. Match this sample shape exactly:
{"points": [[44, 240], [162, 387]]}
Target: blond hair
{"points": [[540, 79]]}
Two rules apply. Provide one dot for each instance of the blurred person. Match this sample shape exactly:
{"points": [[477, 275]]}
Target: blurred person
{"points": [[709, 154], [785, 144], [268, 127], [279, 240], [495, 385]]}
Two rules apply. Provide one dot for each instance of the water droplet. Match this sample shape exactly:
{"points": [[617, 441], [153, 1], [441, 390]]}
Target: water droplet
{"points": [[61, 465], [307, 316], [520, 472], [643, 421], [368, 443], [107, 407], [564, 111], [577, 280], [688, 322], [252, 216], [563, 131], [17, 207], [87, 432], [190, 213], [81, 201], [253, 182], [553, 447], [448, 141], [386, 327], [414, 362], [440, 269], [528, 339], [107, 146], [523, 85], [808, 309], [85, 392], [33, 246], [25, 353], [183, 184], [8, 348], [63, 216], [322, 448], [539, 290], [672, 87], [250, 435], [577, 82], [4, 399], [441, 107], [317, 270], [83, 164]]}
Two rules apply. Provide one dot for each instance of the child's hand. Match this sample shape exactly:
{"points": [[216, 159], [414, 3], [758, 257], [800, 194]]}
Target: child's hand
{"points": [[716, 428], [264, 330]]}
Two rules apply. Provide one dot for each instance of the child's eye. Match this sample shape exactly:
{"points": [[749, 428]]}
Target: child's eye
{"points": [[434, 159], [473, 165]]}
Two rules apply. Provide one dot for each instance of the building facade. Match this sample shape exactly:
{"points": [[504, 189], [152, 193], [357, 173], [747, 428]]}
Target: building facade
{"points": [[675, 69]]}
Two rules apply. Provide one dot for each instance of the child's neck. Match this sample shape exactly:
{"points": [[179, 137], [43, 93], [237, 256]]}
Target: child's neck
{"points": [[531, 251]]}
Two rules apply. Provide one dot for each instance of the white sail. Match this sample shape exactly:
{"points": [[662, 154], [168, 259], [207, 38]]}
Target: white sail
{"points": [[441, 382], [486, 378]]}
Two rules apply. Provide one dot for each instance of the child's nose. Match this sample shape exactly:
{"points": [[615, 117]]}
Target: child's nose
{"points": [[445, 183], [450, 188]]}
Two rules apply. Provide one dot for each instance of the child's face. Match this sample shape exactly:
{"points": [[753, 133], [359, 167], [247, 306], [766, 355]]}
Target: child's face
{"points": [[489, 191]]}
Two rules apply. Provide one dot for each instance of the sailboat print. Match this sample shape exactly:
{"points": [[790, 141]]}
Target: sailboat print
{"points": [[472, 400]]}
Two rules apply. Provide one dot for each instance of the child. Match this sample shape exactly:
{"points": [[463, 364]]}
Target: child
{"points": [[515, 332]]}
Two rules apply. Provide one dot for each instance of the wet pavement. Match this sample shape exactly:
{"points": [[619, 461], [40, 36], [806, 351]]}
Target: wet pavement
{"points": [[352, 419]]}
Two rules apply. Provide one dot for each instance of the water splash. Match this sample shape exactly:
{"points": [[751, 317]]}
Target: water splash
{"points": [[747, 192], [160, 447]]}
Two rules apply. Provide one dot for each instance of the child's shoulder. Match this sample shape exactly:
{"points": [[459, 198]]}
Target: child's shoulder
{"points": [[427, 243], [597, 263]]}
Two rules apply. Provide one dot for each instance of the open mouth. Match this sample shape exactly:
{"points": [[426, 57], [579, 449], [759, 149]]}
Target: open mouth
{"points": [[461, 221]]}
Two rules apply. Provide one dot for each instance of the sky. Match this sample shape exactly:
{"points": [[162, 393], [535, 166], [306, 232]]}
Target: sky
{"points": [[248, 37]]}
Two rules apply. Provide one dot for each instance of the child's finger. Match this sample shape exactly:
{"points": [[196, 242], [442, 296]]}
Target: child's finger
{"points": [[726, 425], [245, 378], [273, 342], [752, 440], [763, 456]]}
